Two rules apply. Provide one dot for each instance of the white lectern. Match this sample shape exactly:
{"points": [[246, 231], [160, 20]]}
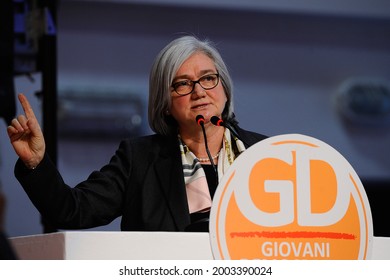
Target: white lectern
{"points": [[87, 245]]}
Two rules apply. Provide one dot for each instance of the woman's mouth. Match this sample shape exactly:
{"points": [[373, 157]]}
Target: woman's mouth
{"points": [[199, 107]]}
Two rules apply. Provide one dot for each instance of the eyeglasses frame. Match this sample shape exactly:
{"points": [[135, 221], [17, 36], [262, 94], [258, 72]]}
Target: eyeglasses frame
{"points": [[197, 82]]}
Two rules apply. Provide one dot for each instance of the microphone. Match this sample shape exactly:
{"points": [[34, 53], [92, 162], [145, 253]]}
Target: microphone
{"points": [[219, 122], [200, 121]]}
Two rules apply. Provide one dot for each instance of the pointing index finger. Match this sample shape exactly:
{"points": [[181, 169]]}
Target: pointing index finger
{"points": [[26, 106]]}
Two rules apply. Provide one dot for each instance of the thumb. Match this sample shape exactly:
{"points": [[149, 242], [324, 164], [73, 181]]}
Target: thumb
{"points": [[34, 127]]}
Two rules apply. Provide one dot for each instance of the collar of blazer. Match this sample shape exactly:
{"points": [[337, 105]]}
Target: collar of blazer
{"points": [[169, 170]]}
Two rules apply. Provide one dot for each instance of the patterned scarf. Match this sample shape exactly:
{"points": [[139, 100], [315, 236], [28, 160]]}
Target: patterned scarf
{"points": [[198, 195]]}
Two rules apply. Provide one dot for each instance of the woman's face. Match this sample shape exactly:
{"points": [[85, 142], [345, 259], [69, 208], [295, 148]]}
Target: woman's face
{"points": [[206, 102]]}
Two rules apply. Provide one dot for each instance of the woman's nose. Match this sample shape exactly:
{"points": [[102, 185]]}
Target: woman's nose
{"points": [[198, 91]]}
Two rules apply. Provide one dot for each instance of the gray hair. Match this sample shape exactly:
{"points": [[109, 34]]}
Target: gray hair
{"points": [[163, 71]]}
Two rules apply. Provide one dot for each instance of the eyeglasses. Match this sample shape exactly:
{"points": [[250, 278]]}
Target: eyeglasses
{"points": [[185, 87]]}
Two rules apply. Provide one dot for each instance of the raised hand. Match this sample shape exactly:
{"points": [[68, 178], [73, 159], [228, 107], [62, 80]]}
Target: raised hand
{"points": [[26, 135]]}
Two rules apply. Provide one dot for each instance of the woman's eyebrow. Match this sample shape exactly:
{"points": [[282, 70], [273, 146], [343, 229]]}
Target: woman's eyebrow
{"points": [[201, 73]]}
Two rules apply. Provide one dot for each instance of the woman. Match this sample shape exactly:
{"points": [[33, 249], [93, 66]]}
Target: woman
{"points": [[161, 182]]}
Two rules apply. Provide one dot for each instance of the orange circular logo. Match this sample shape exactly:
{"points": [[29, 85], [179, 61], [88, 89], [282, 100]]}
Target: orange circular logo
{"points": [[291, 197]]}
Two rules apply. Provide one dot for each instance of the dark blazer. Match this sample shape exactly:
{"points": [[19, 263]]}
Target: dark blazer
{"points": [[143, 183]]}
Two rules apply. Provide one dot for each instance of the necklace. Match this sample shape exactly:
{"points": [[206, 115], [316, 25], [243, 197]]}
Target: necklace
{"points": [[207, 159]]}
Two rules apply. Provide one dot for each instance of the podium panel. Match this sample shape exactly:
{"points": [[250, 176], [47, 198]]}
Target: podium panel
{"points": [[87, 245]]}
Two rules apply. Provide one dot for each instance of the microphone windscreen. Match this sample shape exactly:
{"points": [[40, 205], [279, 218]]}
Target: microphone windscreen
{"points": [[216, 121], [200, 119]]}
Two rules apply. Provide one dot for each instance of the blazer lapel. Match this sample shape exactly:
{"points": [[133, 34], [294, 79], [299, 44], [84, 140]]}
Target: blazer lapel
{"points": [[169, 171]]}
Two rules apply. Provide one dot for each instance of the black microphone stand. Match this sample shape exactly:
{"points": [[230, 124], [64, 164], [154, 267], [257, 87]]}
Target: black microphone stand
{"points": [[200, 121], [219, 122]]}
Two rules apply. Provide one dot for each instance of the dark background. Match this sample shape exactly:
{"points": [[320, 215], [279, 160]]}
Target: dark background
{"points": [[290, 65]]}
